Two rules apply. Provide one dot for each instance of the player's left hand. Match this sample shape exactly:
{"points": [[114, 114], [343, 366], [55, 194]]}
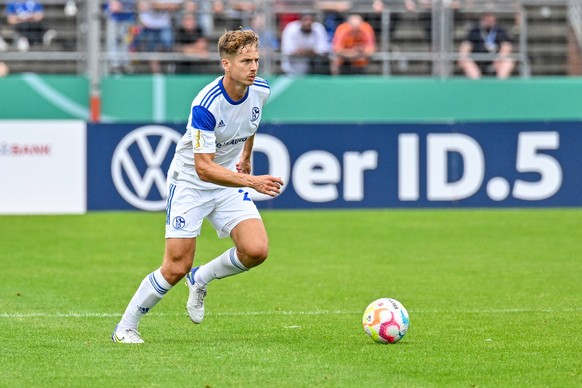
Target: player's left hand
{"points": [[243, 167]]}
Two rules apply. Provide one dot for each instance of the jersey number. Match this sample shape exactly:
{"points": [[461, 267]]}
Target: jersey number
{"points": [[246, 196]]}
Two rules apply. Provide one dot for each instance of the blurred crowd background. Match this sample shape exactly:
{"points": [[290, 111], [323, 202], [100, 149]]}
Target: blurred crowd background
{"points": [[440, 38]]}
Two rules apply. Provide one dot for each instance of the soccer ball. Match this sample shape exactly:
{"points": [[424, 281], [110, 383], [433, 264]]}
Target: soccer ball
{"points": [[385, 320]]}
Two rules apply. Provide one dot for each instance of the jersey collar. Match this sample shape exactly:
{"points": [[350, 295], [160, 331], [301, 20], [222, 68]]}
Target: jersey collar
{"points": [[227, 97]]}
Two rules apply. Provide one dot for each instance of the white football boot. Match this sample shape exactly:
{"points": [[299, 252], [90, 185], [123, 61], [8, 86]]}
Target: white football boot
{"points": [[126, 336], [195, 304]]}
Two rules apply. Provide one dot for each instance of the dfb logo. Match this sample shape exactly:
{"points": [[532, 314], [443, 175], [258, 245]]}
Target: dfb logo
{"points": [[136, 166]]}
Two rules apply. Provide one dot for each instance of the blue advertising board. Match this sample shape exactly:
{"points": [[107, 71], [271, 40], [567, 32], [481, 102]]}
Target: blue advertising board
{"points": [[509, 164], [127, 165]]}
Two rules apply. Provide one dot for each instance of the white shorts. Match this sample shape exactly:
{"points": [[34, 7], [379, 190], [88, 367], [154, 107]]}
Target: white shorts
{"points": [[225, 208]]}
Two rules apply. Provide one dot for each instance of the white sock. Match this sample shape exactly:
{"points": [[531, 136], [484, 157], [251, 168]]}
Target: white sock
{"points": [[227, 264], [151, 290]]}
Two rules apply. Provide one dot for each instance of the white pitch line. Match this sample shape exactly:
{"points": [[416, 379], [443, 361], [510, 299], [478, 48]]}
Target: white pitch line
{"points": [[289, 313], [106, 315]]}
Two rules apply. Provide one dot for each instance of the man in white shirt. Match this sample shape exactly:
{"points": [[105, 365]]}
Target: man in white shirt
{"points": [[305, 47], [208, 179]]}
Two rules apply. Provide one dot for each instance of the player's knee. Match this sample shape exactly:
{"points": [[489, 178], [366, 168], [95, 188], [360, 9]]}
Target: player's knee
{"points": [[174, 269], [258, 254], [174, 274], [255, 255]]}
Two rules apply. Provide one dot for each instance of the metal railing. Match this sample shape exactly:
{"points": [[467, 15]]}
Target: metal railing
{"points": [[443, 54], [575, 19], [90, 57]]}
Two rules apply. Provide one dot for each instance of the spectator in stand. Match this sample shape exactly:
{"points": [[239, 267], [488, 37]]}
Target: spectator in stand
{"points": [[4, 69], [120, 20], [305, 47], [156, 28], [3, 45], [267, 37], [354, 42], [334, 13], [191, 41], [204, 11], [27, 18], [487, 37], [288, 11], [239, 12]]}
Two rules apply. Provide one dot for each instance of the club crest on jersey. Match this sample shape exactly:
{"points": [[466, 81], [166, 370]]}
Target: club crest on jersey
{"points": [[255, 113], [198, 141]]}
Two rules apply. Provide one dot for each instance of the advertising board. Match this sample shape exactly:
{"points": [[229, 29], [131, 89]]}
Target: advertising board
{"points": [[42, 167], [526, 164]]}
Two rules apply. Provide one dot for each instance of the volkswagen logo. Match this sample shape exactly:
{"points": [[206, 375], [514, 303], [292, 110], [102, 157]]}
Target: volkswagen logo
{"points": [[136, 165]]}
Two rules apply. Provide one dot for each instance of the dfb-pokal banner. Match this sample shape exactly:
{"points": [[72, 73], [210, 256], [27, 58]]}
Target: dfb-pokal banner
{"points": [[505, 164]]}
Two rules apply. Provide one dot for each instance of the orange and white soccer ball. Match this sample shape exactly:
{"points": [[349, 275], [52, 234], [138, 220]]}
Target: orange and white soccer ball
{"points": [[386, 320]]}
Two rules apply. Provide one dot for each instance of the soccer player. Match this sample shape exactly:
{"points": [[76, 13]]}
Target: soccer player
{"points": [[208, 178]]}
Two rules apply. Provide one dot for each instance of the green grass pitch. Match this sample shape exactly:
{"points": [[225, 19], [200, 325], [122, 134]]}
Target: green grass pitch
{"points": [[494, 296]]}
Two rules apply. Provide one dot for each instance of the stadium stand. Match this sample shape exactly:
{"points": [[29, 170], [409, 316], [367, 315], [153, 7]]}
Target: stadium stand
{"points": [[550, 46]]}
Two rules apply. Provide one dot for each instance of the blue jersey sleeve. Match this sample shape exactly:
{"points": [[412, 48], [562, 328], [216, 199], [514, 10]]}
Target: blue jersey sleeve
{"points": [[202, 119]]}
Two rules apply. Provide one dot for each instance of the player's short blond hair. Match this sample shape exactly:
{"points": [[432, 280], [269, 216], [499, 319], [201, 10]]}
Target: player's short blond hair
{"points": [[232, 42]]}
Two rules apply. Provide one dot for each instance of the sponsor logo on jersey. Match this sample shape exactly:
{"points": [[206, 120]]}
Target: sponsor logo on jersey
{"points": [[231, 142], [221, 124]]}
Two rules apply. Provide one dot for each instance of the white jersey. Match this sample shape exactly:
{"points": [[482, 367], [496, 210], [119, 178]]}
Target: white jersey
{"points": [[220, 126]]}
